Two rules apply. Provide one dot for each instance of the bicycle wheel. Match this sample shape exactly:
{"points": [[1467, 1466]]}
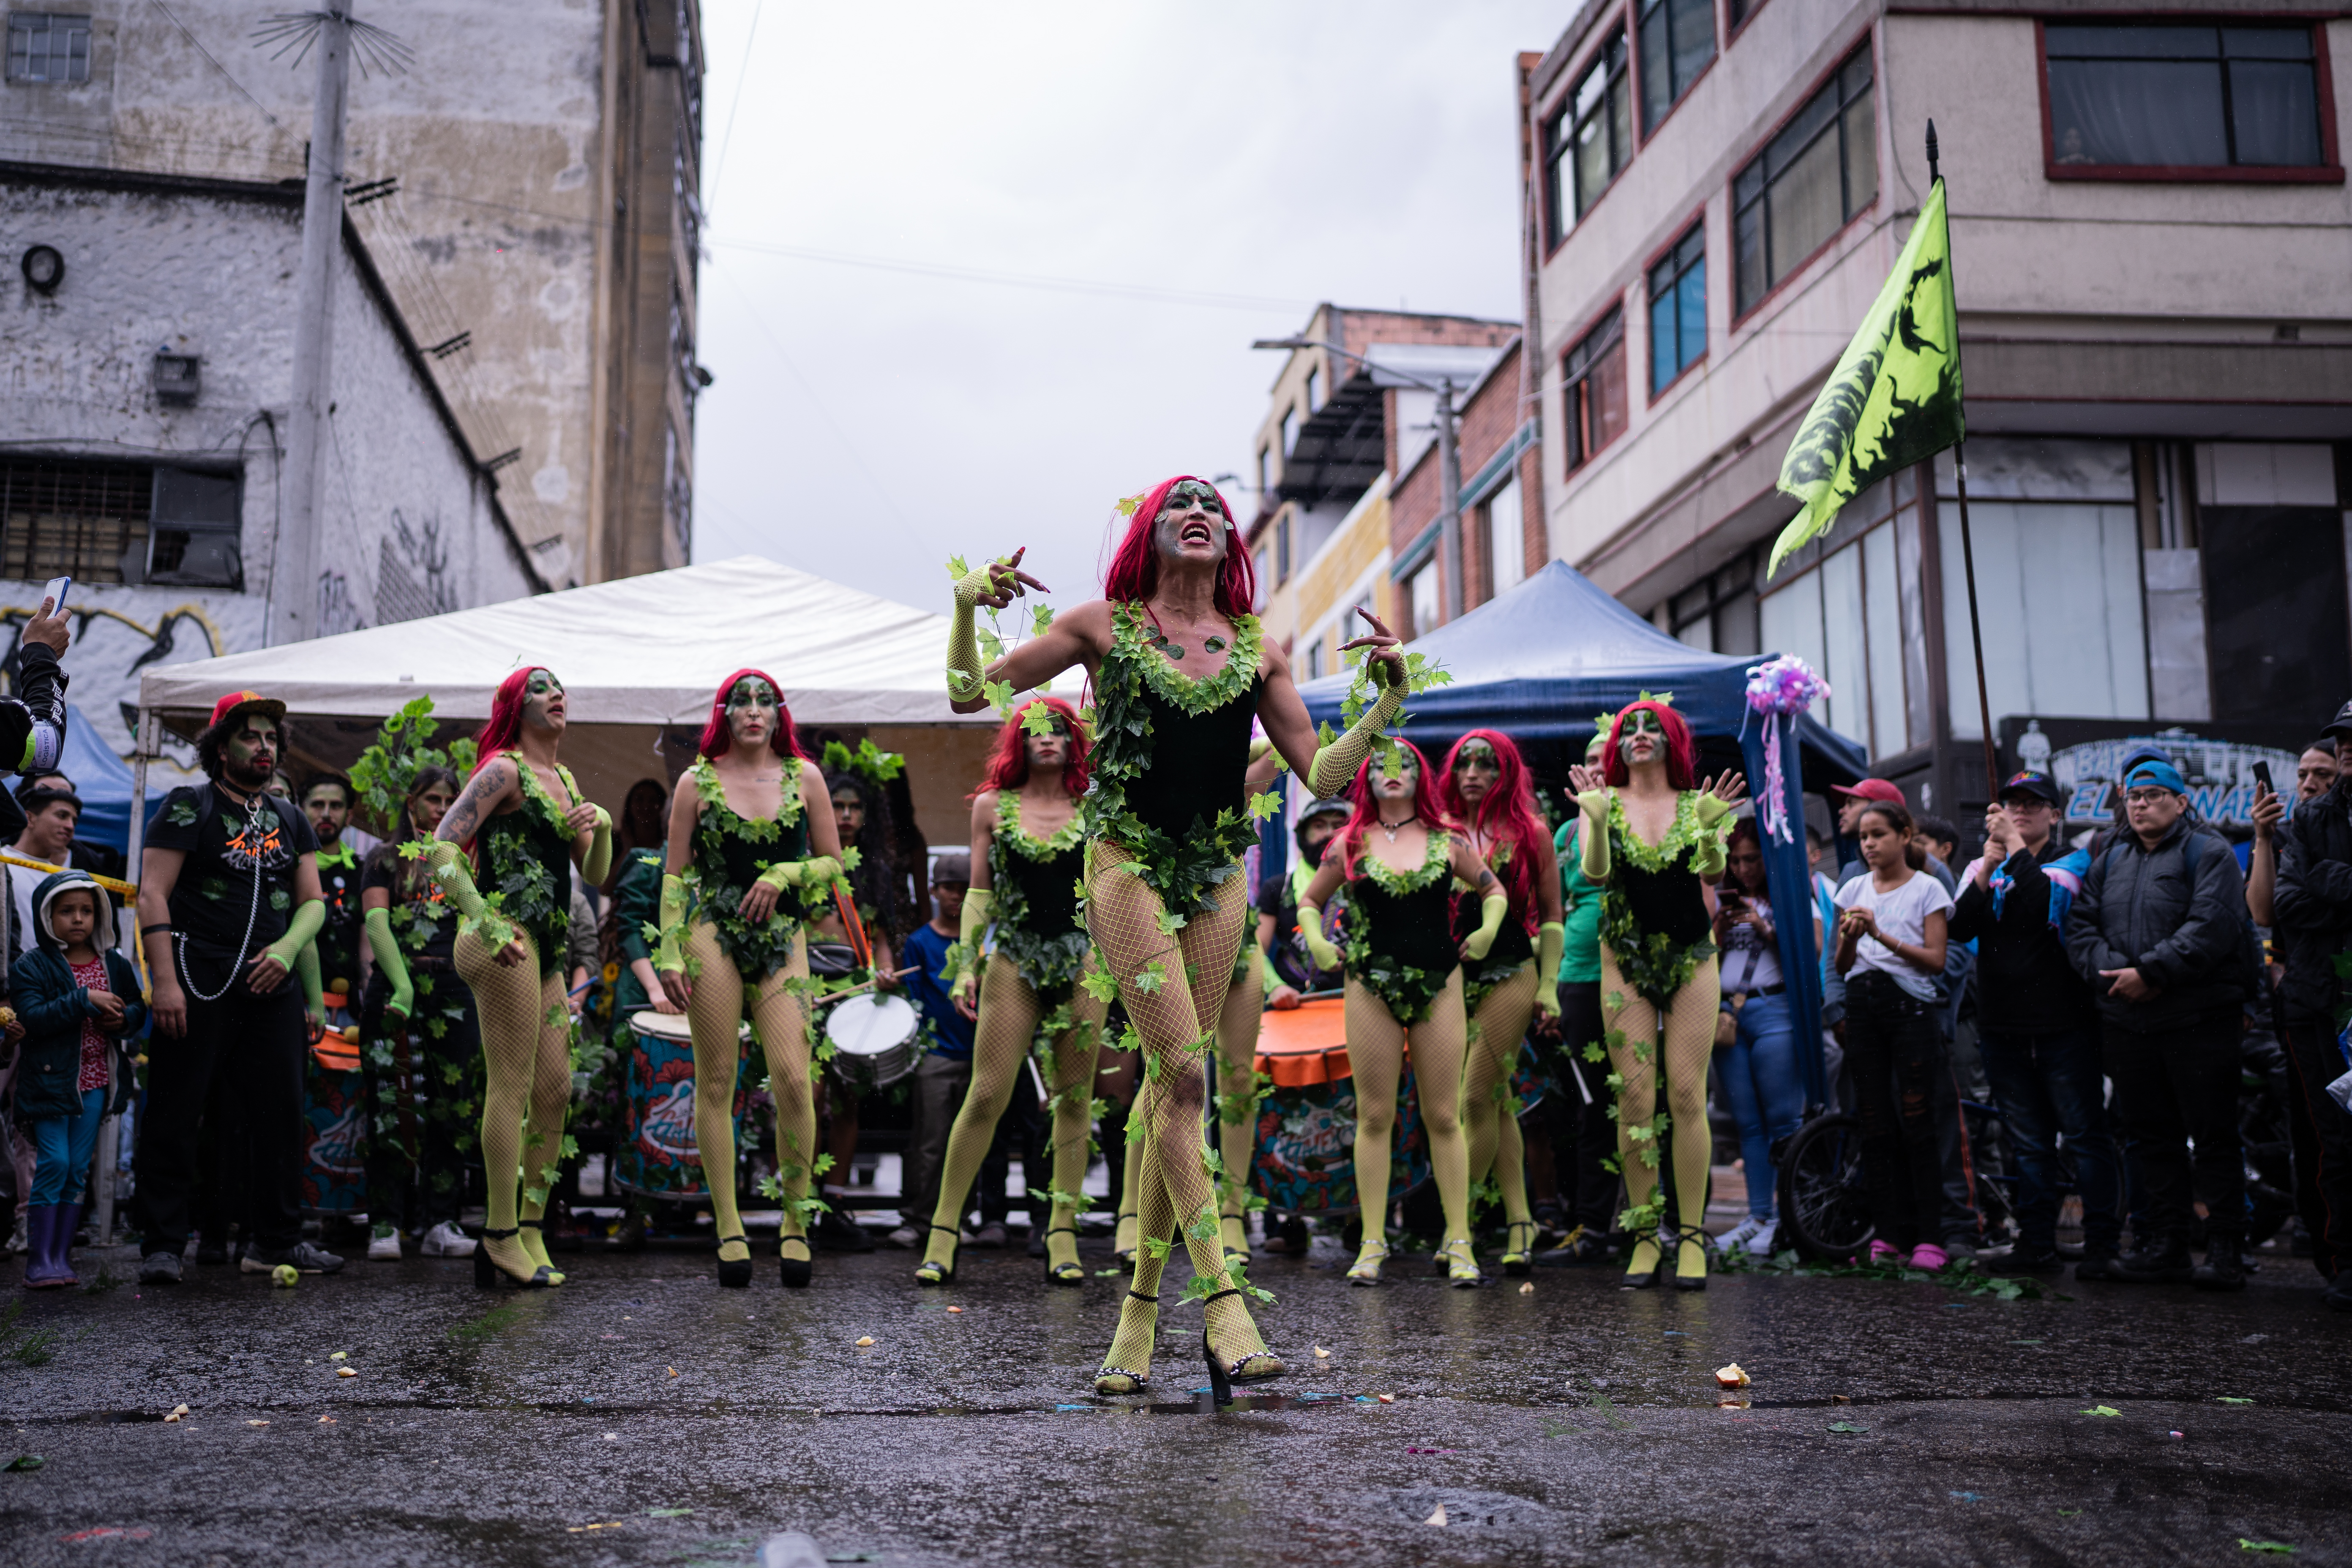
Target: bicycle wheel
{"points": [[1823, 1207]]}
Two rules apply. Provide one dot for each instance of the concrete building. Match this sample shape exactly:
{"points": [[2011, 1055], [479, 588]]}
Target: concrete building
{"points": [[528, 185], [1346, 412], [2153, 249], [1503, 537], [148, 335]]}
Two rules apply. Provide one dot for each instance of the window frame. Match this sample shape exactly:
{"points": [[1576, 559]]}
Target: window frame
{"points": [[1560, 128], [1615, 305], [1699, 225], [1643, 134], [8, 41], [1732, 30], [2330, 170], [1868, 39]]}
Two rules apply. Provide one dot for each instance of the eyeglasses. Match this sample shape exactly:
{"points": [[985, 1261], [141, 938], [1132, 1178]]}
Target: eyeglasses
{"points": [[2146, 795]]}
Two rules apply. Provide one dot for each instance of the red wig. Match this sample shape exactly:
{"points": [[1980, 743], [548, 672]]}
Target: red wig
{"points": [[1507, 816], [1008, 762], [718, 739], [1134, 571], [1426, 805], [1681, 752], [504, 726]]}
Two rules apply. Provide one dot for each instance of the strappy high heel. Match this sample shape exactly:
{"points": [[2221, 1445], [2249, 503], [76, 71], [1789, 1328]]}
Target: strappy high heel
{"points": [[1122, 1252], [1639, 1275], [1135, 1381], [1461, 1264], [793, 1273], [735, 1273], [1367, 1267], [1690, 1237], [1072, 1273], [1221, 1377], [929, 1273], [554, 1276], [488, 1271], [1516, 1259]]}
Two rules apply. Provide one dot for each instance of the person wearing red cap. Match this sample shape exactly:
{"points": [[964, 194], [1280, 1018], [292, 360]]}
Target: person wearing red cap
{"points": [[228, 898]]}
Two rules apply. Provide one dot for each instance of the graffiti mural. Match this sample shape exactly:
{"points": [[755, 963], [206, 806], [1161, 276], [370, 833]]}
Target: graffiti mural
{"points": [[412, 571], [110, 646]]}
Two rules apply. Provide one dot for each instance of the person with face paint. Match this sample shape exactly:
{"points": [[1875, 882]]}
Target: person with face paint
{"points": [[1486, 790], [522, 816], [1179, 668], [228, 898], [741, 880], [1652, 836], [1028, 854], [1399, 857]]}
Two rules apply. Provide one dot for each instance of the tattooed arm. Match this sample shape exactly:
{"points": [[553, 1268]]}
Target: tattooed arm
{"points": [[494, 786], [489, 792]]}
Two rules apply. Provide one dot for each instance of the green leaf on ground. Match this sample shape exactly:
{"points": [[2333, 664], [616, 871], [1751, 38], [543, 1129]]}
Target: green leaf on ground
{"points": [[2102, 1410], [1847, 1428], [2226, 1399], [2246, 1545]]}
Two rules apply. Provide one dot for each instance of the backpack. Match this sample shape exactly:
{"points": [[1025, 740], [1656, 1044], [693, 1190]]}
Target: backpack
{"points": [[2250, 947]]}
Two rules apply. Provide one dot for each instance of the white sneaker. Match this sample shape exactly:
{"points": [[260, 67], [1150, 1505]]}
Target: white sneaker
{"points": [[1751, 1236], [904, 1236], [384, 1247], [445, 1240]]}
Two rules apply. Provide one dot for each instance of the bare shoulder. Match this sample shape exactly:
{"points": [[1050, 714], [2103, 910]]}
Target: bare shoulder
{"points": [[1272, 661], [983, 810], [1090, 623]]}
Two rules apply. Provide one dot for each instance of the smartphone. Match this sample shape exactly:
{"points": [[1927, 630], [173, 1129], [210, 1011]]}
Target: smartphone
{"points": [[2263, 777], [56, 594]]}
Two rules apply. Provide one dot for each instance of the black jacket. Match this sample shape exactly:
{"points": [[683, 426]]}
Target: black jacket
{"points": [[2026, 984], [2138, 909], [32, 727], [2313, 904]]}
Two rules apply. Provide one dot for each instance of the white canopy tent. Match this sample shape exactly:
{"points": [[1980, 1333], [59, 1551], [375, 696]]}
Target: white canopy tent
{"points": [[639, 659]]}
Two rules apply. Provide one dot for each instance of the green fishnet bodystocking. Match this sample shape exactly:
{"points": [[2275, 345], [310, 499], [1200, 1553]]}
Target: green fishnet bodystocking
{"points": [[1631, 1025], [1236, 1108], [715, 1012], [1138, 1320], [1488, 1108], [1376, 1049], [527, 1067]]}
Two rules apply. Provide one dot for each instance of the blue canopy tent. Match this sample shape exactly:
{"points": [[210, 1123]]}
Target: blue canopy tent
{"points": [[1539, 661], [102, 779]]}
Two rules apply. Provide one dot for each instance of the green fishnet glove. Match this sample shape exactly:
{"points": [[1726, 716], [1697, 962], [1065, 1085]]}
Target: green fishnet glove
{"points": [[1319, 946], [1713, 809], [1592, 838], [599, 859], [965, 957], [309, 918], [1333, 766], [314, 997], [965, 672], [669, 940], [1551, 939], [391, 960], [1479, 943], [785, 875], [455, 875]]}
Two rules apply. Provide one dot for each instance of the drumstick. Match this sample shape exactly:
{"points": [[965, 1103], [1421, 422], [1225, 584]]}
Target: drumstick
{"points": [[863, 985]]}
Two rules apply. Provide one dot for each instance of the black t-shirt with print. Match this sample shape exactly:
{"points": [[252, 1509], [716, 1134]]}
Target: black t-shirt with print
{"points": [[340, 878], [227, 849]]}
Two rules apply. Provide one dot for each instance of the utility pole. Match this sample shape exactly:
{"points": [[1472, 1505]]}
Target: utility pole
{"points": [[294, 566], [1449, 500]]}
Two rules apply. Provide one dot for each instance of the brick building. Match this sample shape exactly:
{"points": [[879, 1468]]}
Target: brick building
{"points": [[1501, 502]]}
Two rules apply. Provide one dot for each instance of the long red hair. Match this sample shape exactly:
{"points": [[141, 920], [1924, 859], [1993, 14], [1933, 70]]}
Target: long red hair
{"points": [[1681, 752], [1008, 762], [1134, 570], [1507, 816], [504, 727], [1426, 805], [718, 739]]}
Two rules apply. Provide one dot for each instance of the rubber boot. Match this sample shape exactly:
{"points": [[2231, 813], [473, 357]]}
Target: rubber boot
{"points": [[40, 1264], [66, 1224], [2224, 1268]]}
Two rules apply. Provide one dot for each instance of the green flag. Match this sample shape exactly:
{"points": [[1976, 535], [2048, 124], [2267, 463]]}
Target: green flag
{"points": [[1893, 399]]}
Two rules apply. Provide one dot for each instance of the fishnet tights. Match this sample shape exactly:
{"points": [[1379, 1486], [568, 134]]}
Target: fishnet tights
{"points": [[1010, 1012], [1376, 1048], [715, 1012], [1488, 1107], [1236, 1110], [1689, 1046], [528, 1063], [1166, 1008]]}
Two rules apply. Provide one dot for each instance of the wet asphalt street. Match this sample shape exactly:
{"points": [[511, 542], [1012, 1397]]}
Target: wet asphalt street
{"points": [[640, 1414]]}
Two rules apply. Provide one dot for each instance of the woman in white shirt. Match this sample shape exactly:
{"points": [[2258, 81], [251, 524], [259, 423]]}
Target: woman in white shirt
{"points": [[1890, 948]]}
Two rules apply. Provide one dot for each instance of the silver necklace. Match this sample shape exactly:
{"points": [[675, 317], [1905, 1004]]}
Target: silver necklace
{"points": [[1393, 830]]}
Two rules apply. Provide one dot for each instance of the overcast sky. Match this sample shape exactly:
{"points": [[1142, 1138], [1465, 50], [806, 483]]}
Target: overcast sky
{"points": [[1166, 181]]}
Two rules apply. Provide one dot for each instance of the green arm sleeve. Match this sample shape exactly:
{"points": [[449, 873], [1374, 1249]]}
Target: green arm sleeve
{"points": [[964, 670], [1592, 838], [1491, 909], [306, 968], [1333, 766], [1707, 859], [965, 959], [817, 869], [389, 959], [1551, 939], [600, 850], [455, 875], [1319, 946], [309, 917], [670, 941]]}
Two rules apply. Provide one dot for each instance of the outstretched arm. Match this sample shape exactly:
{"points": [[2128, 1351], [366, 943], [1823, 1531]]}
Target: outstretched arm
{"points": [[1077, 637], [1327, 769]]}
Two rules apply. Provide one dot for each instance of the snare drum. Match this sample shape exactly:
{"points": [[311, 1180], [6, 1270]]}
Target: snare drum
{"points": [[1305, 1158], [874, 1040], [659, 1155]]}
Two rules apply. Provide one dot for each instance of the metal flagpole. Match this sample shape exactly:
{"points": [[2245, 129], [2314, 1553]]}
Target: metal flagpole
{"points": [[1967, 544]]}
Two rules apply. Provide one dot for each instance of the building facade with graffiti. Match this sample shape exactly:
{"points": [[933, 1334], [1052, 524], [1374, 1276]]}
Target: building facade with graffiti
{"points": [[147, 337]]}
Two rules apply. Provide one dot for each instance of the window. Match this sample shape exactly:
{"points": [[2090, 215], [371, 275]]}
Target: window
{"points": [[1593, 134], [1282, 549], [1677, 43], [1313, 390], [1736, 11], [1315, 658], [1262, 485], [47, 49], [1717, 613], [1421, 592], [1821, 170], [1594, 373], [1506, 537], [1261, 559], [1289, 431], [119, 523], [1678, 309], [2181, 96]]}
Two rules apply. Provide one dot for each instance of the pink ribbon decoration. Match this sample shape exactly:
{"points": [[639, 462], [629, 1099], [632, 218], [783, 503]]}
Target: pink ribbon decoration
{"points": [[1779, 689]]}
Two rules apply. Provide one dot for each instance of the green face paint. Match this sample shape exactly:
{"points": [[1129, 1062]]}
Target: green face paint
{"points": [[540, 697], [1176, 511], [251, 752], [750, 710]]}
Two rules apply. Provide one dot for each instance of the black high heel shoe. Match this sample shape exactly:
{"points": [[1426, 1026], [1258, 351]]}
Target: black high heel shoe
{"points": [[929, 1273], [1064, 1273], [487, 1273], [554, 1276], [1137, 1382], [1221, 1377], [1690, 1236], [1638, 1278], [735, 1274], [792, 1273]]}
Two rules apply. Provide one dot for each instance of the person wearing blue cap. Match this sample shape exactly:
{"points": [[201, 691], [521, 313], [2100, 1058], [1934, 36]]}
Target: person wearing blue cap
{"points": [[2159, 930]]}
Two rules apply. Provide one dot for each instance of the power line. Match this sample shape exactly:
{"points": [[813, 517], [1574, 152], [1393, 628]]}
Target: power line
{"points": [[744, 73], [1146, 291]]}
